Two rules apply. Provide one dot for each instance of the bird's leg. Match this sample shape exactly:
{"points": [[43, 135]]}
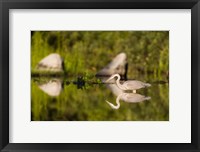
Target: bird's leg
{"points": [[134, 91]]}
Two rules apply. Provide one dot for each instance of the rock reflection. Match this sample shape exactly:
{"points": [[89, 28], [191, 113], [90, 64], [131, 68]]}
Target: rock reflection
{"points": [[52, 88], [114, 89], [128, 97]]}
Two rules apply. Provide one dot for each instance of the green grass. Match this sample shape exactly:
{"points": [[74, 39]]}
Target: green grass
{"points": [[88, 52]]}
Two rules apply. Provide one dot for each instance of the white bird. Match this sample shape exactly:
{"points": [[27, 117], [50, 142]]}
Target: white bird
{"points": [[130, 84], [128, 97]]}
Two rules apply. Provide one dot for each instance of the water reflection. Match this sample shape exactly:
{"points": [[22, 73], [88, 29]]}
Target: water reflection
{"points": [[131, 97], [65, 99], [52, 87], [128, 97]]}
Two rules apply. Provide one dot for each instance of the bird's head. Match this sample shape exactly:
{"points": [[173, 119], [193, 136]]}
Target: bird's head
{"points": [[113, 76]]}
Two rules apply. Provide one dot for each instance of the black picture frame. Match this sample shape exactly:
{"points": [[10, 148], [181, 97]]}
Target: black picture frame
{"points": [[5, 5]]}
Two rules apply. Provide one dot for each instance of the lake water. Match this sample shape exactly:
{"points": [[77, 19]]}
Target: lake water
{"points": [[75, 99]]}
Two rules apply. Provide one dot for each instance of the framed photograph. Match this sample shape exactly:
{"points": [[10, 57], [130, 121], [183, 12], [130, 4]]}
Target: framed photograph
{"points": [[99, 75]]}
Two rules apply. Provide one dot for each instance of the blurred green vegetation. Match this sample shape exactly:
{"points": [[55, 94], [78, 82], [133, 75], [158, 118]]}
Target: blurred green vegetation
{"points": [[89, 51]]}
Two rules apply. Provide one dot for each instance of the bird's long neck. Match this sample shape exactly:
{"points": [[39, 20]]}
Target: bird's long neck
{"points": [[118, 83], [113, 106], [117, 102]]}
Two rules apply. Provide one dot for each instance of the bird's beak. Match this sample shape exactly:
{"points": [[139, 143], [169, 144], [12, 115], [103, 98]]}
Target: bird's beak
{"points": [[108, 79]]}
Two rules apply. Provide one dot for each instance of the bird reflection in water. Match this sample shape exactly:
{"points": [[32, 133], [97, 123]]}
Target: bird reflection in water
{"points": [[55, 86], [119, 90], [128, 97]]}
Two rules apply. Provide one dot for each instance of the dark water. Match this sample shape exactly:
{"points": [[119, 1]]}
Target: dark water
{"points": [[74, 99]]}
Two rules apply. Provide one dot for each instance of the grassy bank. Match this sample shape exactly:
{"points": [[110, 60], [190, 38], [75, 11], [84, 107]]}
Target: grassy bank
{"points": [[86, 52]]}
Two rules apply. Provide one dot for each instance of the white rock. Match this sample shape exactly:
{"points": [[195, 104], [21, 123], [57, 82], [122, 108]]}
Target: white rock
{"points": [[52, 62], [117, 65]]}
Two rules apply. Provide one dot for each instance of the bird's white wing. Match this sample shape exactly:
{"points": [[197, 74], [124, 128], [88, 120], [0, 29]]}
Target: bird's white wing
{"points": [[133, 85], [133, 97]]}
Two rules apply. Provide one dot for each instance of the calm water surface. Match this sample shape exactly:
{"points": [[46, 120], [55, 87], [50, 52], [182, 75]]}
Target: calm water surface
{"points": [[71, 99]]}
